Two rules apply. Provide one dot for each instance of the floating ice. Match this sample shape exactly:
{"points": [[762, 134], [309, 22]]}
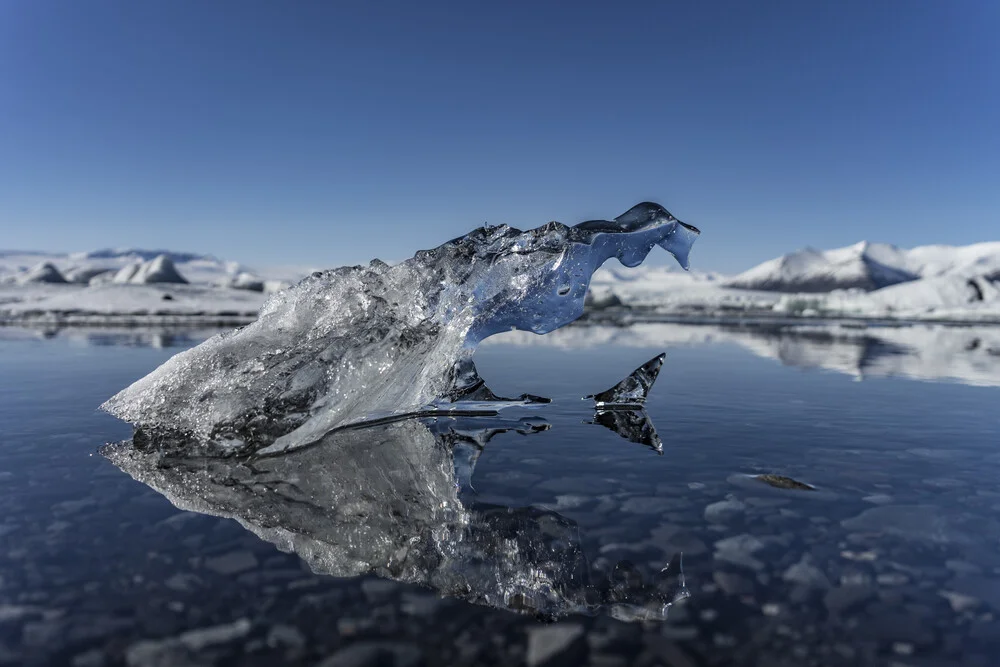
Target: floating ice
{"points": [[631, 392], [620, 408], [359, 343], [383, 499]]}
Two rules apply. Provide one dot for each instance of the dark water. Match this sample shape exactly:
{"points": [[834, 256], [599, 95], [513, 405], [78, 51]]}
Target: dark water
{"points": [[893, 557]]}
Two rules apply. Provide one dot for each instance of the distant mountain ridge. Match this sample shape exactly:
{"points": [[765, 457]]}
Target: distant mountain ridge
{"points": [[867, 266], [141, 254], [139, 266]]}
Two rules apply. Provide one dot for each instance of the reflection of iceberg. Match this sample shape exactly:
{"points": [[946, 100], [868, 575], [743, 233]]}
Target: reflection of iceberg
{"points": [[633, 425], [356, 343], [967, 354], [159, 337], [383, 499]]}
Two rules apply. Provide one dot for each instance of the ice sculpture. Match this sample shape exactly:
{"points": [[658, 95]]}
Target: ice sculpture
{"points": [[382, 499], [359, 343]]}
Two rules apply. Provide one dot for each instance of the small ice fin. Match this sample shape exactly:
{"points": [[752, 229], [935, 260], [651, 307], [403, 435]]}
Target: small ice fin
{"points": [[634, 425], [632, 391], [467, 387]]}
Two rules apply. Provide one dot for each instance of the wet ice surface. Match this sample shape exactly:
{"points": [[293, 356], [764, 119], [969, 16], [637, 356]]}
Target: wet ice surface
{"points": [[361, 343], [892, 558]]}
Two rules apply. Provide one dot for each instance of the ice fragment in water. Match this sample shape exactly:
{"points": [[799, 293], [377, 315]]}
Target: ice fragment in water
{"points": [[632, 390], [358, 343]]}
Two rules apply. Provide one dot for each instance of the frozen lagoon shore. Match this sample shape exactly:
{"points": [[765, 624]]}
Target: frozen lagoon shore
{"points": [[649, 297], [127, 305]]}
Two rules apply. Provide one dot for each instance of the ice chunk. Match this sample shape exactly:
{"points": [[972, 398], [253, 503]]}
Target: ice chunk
{"points": [[632, 391], [359, 343], [468, 389], [383, 499], [160, 269], [44, 272], [247, 281], [82, 275]]}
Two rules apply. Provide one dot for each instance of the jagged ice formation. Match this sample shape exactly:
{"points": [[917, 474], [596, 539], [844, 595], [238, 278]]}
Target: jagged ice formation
{"points": [[356, 343]]}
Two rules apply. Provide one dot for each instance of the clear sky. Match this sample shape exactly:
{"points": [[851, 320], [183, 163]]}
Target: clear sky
{"points": [[323, 133]]}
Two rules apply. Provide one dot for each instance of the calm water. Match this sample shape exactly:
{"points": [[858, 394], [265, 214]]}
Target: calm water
{"points": [[893, 557]]}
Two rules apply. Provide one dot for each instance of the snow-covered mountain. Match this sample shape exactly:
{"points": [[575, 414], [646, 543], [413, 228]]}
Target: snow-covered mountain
{"points": [[138, 266], [133, 286], [867, 266], [865, 281]]}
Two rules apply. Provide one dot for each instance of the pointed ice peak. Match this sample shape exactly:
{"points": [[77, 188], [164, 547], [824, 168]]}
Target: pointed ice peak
{"points": [[160, 269], [44, 272], [468, 389], [632, 391]]}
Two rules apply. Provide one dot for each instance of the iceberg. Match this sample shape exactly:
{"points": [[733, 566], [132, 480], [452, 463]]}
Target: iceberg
{"points": [[355, 344], [43, 272], [387, 499]]}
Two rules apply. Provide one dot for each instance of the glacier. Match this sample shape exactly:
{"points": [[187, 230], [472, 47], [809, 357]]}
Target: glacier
{"points": [[355, 344]]}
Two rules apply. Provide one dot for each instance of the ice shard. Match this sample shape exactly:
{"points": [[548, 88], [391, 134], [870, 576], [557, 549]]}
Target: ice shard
{"points": [[632, 391], [383, 499], [358, 343]]}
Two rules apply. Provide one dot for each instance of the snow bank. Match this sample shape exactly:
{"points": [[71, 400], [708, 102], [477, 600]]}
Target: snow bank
{"points": [[44, 272], [160, 269], [867, 266]]}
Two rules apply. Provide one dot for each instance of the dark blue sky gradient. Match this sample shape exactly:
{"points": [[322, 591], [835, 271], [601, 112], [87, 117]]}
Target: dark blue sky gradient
{"points": [[332, 132]]}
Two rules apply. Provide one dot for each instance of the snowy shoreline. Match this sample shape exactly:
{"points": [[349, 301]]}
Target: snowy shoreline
{"points": [[617, 317], [863, 284]]}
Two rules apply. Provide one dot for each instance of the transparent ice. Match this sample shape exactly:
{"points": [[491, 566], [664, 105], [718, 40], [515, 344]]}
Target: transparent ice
{"points": [[360, 343], [632, 391]]}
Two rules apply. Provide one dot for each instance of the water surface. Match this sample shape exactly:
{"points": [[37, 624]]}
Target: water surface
{"points": [[892, 557]]}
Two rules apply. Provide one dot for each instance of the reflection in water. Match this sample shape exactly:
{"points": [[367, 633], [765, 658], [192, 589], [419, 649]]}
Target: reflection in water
{"points": [[155, 337], [389, 499], [967, 354], [633, 425]]}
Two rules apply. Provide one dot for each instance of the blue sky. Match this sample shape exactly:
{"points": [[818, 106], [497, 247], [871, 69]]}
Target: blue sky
{"points": [[325, 133]]}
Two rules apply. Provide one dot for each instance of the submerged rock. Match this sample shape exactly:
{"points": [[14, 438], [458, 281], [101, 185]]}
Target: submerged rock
{"points": [[782, 482]]}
